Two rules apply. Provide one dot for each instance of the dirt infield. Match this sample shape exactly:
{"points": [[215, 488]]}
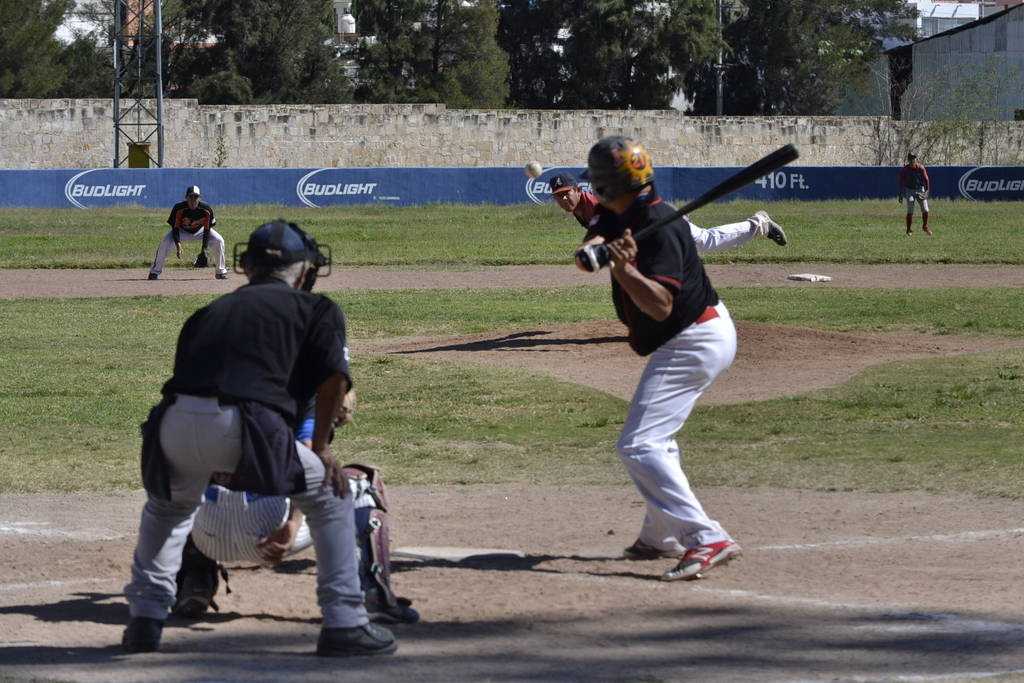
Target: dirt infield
{"points": [[38, 283], [832, 585]]}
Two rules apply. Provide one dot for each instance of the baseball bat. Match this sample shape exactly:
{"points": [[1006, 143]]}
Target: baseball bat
{"points": [[758, 169], [595, 256]]}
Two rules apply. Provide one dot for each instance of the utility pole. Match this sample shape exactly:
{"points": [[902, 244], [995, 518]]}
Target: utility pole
{"points": [[720, 66], [138, 83]]}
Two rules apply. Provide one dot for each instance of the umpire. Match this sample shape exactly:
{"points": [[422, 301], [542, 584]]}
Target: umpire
{"points": [[242, 365]]}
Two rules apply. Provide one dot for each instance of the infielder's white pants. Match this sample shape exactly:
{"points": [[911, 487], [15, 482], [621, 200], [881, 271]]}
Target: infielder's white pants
{"points": [[722, 237], [200, 437], [166, 248], [675, 377]]}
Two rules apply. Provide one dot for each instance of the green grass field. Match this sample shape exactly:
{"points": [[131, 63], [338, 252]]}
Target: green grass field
{"points": [[444, 235], [78, 375]]}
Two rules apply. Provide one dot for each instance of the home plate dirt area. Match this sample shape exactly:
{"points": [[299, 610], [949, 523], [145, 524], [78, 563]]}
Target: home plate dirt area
{"points": [[528, 582]]}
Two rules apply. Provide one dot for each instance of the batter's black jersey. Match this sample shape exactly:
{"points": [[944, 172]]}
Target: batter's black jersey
{"points": [[667, 255], [265, 342], [191, 220]]}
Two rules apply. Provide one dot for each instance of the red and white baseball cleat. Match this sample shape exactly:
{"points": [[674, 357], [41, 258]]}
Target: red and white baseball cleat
{"points": [[701, 559]]}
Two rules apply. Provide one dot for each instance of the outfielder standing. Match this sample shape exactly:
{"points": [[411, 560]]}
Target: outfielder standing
{"points": [[674, 316], [191, 220], [915, 184], [583, 205]]}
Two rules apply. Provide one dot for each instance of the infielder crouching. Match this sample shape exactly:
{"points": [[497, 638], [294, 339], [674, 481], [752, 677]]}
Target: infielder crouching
{"points": [[675, 318], [191, 220]]}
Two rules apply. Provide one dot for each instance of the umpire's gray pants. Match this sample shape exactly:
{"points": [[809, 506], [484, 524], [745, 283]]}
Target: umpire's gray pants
{"points": [[200, 437]]}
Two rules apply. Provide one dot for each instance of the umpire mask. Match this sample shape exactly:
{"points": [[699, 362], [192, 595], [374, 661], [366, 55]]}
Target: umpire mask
{"points": [[280, 243]]}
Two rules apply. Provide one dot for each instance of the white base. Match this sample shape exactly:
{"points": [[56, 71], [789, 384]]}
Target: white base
{"points": [[810, 277], [451, 554]]}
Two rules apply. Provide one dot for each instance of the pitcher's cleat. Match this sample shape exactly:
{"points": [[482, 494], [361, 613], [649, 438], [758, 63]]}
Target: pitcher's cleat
{"points": [[771, 229]]}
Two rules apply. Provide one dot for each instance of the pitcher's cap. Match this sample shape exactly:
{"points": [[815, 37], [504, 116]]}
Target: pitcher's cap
{"points": [[562, 182]]}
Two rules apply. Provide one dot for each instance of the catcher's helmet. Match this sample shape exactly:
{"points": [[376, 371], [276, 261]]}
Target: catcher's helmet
{"points": [[616, 165]]}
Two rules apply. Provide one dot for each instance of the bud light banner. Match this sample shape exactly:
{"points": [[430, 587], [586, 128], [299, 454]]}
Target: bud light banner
{"points": [[325, 187]]}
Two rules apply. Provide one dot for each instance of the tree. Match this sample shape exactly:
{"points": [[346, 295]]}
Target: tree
{"points": [[29, 53], [431, 51], [239, 51], [529, 32], [634, 54], [88, 68], [799, 56]]}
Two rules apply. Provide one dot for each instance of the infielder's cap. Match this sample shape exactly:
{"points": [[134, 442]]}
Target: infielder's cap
{"points": [[192, 190], [911, 155], [562, 182]]}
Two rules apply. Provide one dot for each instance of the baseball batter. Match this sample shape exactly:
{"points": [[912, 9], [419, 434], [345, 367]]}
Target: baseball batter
{"points": [[191, 220], [675, 318], [915, 185], [582, 205]]}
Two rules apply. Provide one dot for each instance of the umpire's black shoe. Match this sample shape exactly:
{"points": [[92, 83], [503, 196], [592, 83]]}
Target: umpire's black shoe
{"points": [[142, 635], [368, 639]]}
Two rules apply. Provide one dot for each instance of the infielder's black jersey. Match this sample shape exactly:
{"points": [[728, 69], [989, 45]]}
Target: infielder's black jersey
{"points": [[669, 256], [191, 220], [265, 342]]}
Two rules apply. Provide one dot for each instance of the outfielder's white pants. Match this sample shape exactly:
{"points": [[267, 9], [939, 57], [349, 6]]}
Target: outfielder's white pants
{"points": [[911, 200], [166, 248], [675, 377], [722, 237], [200, 437]]}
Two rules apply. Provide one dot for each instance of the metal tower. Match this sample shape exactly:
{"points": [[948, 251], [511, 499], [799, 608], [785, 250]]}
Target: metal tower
{"points": [[138, 83]]}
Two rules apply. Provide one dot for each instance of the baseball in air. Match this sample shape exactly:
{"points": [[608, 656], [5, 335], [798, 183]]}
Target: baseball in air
{"points": [[533, 169]]}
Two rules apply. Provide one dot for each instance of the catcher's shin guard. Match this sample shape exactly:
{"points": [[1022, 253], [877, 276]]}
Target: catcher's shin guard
{"points": [[374, 547]]}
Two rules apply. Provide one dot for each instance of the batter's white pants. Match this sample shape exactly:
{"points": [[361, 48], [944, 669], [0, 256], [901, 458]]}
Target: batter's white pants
{"points": [[200, 437], [722, 237], [166, 248], [675, 377]]}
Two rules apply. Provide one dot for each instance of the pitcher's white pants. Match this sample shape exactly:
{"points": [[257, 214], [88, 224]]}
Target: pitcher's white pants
{"points": [[676, 375], [722, 237], [166, 248], [200, 437]]}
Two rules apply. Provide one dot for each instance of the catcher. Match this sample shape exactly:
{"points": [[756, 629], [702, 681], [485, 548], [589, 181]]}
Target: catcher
{"points": [[191, 220], [236, 526], [915, 185]]}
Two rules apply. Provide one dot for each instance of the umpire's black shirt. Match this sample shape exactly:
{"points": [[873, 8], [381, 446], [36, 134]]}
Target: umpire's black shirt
{"points": [[667, 255], [266, 342]]}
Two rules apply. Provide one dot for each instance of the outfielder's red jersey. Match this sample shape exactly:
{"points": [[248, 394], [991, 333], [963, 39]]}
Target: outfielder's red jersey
{"points": [[914, 177], [191, 220], [668, 256]]}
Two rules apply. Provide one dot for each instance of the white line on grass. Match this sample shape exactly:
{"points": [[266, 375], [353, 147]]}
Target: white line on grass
{"points": [[34, 529], [890, 540]]}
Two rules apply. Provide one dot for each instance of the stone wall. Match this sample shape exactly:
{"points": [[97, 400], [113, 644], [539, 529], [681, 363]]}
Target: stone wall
{"points": [[41, 134]]}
